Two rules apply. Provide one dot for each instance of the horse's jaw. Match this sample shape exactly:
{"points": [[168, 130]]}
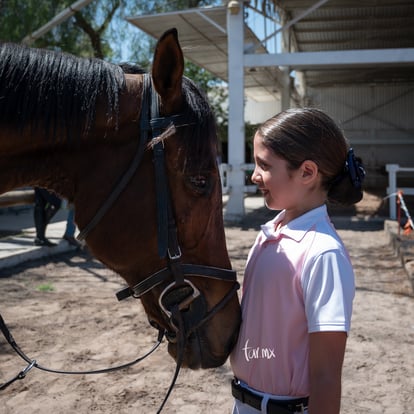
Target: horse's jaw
{"points": [[195, 350], [200, 352], [195, 355]]}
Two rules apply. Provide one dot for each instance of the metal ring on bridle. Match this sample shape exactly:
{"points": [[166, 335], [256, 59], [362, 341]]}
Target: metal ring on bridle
{"points": [[183, 304]]}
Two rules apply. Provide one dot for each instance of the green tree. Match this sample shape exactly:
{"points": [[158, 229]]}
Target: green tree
{"points": [[21, 17], [84, 34]]}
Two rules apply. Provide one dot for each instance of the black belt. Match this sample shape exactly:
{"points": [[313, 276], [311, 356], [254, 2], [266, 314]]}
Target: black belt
{"points": [[273, 406]]}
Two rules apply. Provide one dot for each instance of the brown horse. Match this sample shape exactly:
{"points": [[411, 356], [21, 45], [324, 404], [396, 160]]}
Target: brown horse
{"points": [[140, 169]]}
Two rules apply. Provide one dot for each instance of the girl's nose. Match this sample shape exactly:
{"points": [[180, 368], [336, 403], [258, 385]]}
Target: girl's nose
{"points": [[255, 176]]}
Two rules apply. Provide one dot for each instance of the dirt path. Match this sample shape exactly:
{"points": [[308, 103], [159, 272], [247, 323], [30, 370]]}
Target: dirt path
{"points": [[65, 315]]}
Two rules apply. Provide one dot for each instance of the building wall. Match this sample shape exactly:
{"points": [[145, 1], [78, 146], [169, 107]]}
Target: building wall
{"points": [[378, 121], [258, 112]]}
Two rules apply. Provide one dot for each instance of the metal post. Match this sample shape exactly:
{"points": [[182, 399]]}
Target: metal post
{"points": [[236, 146], [392, 188], [285, 93]]}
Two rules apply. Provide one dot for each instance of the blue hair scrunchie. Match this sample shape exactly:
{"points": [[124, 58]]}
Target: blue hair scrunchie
{"points": [[355, 169]]}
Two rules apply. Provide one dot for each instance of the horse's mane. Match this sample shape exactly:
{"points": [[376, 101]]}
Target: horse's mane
{"points": [[59, 91], [200, 135], [55, 90]]}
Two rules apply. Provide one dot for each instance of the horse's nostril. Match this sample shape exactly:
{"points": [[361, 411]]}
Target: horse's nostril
{"points": [[154, 324]]}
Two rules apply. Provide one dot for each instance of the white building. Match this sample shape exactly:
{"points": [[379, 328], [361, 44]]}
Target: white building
{"points": [[354, 59]]}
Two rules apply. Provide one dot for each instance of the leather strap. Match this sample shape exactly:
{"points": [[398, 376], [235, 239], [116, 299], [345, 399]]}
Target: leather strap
{"points": [[126, 177], [187, 269]]}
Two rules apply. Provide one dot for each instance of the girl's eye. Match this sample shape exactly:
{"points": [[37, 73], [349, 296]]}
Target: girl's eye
{"points": [[263, 166], [261, 163]]}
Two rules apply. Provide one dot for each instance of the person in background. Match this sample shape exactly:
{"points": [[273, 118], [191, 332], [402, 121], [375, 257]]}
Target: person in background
{"points": [[298, 286], [69, 234], [46, 206]]}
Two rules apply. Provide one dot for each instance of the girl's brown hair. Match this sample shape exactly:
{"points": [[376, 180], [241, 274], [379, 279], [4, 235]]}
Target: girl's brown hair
{"points": [[301, 134]]}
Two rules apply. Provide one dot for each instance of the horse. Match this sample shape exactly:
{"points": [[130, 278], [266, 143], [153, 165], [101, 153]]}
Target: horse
{"points": [[136, 155]]}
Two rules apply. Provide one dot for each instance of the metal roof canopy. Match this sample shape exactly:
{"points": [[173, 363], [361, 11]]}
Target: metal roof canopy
{"points": [[203, 38], [374, 38], [348, 41]]}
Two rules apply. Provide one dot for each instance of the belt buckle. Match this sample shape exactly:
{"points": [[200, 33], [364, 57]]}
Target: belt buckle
{"points": [[279, 407], [301, 407]]}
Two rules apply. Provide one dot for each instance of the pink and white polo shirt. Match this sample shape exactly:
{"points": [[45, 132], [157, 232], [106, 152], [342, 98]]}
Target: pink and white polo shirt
{"points": [[298, 280]]}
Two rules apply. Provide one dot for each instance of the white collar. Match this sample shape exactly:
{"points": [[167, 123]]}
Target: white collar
{"points": [[298, 227]]}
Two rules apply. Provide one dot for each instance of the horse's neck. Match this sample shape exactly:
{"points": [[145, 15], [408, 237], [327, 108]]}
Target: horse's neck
{"points": [[34, 161]]}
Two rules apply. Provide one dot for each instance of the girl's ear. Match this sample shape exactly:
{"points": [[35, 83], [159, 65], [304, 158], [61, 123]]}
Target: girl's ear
{"points": [[309, 171]]}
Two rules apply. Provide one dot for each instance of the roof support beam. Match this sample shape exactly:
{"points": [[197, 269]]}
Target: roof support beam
{"points": [[295, 20], [211, 21], [333, 59]]}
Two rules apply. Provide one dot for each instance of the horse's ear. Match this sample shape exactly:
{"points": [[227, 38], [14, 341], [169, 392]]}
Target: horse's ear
{"points": [[168, 69]]}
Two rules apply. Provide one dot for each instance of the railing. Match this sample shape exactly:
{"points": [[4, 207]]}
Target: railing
{"points": [[225, 186], [26, 196], [392, 189], [21, 197]]}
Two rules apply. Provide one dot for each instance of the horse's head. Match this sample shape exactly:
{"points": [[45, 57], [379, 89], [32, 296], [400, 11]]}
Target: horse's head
{"points": [[137, 156], [174, 255]]}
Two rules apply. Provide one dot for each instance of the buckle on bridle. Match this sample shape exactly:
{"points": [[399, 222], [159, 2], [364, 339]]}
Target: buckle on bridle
{"points": [[175, 256]]}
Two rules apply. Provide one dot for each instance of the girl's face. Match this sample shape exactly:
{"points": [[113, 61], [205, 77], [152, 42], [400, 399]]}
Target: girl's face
{"points": [[273, 178]]}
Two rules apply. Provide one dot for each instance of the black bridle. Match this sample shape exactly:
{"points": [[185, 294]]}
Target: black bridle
{"points": [[152, 125], [183, 305]]}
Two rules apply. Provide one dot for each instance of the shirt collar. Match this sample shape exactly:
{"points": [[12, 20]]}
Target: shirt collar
{"points": [[297, 228]]}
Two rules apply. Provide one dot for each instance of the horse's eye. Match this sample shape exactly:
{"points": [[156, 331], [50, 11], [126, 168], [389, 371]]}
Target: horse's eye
{"points": [[199, 183]]}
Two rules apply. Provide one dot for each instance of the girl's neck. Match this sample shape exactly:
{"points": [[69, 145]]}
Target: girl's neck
{"points": [[291, 214]]}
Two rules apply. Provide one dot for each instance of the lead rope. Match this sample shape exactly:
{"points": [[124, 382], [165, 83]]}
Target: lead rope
{"points": [[182, 340], [32, 363]]}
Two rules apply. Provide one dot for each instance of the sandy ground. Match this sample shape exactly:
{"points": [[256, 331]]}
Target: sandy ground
{"points": [[64, 314]]}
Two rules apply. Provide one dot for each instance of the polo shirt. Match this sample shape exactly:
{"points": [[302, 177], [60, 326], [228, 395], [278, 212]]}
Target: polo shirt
{"points": [[298, 280]]}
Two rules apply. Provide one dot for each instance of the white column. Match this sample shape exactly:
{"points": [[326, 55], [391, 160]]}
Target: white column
{"points": [[236, 146]]}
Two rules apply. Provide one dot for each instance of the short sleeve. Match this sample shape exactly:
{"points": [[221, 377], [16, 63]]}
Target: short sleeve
{"points": [[329, 288]]}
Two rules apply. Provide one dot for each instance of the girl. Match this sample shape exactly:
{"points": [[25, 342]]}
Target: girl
{"points": [[299, 284]]}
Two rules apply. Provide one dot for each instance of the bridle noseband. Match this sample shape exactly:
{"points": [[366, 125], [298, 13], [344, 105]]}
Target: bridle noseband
{"points": [[180, 301]]}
